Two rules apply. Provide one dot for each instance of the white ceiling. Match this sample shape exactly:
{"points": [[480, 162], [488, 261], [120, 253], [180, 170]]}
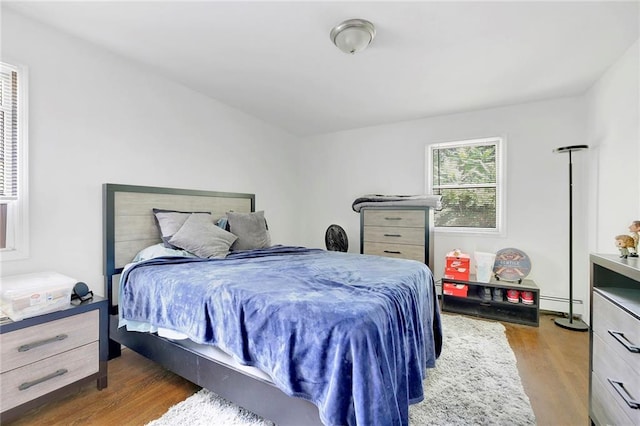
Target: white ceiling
{"points": [[274, 60]]}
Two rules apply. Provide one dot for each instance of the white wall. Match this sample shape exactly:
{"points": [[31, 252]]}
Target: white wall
{"points": [[613, 130], [96, 118], [390, 159]]}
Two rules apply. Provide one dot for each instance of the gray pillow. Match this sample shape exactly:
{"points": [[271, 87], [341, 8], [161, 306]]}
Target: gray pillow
{"points": [[200, 236], [169, 221], [251, 229]]}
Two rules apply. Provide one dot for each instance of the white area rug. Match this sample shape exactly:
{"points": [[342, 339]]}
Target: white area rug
{"points": [[476, 382]]}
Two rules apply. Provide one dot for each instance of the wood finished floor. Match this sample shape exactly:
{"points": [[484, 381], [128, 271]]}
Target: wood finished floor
{"points": [[553, 363]]}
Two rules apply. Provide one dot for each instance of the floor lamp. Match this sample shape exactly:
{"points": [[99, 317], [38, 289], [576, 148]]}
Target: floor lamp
{"points": [[570, 323]]}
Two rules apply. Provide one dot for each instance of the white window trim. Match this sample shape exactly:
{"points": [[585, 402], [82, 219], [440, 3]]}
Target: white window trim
{"points": [[501, 181], [20, 209]]}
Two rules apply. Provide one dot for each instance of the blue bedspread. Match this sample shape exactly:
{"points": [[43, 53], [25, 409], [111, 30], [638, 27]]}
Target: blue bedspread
{"points": [[352, 333]]}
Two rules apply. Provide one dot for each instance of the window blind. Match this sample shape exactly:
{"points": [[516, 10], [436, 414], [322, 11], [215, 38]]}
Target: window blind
{"points": [[466, 175], [8, 133]]}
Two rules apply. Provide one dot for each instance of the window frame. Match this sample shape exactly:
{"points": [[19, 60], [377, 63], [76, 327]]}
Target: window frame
{"points": [[18, 210], [501, 172]]}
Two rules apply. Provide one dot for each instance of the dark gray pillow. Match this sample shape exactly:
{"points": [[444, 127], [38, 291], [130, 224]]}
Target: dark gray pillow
{"points": [[200, 236], [169, 221], [251, 230]]}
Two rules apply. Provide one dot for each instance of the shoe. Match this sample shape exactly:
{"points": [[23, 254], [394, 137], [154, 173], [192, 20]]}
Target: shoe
{"points": [[527, 297], [485, 293], [513, 296], [497, 295]]}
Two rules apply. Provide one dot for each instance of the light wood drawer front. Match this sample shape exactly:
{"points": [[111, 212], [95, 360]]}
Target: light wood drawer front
{"points": [[32, 344], [48, 375], [608, 365], [402, 251], [396, 235], [617, 329], [407, 218], [604, 406]]}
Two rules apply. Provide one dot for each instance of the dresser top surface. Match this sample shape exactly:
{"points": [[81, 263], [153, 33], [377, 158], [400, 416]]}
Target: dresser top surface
{"points": [[404, 207], [629, 267]]}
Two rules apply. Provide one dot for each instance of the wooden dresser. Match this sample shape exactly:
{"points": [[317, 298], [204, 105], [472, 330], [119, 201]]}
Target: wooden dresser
{"points": [[48, 356], [403, 232], [614, 385]]}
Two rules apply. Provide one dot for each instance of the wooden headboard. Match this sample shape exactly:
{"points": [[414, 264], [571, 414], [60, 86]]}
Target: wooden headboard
{"points": [[129, 224]]}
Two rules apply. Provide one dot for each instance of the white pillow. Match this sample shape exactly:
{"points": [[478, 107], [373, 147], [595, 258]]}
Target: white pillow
{"points": [[159, 250]]}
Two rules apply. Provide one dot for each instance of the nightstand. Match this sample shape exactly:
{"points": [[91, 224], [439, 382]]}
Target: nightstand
{"points": [[48, 356]]}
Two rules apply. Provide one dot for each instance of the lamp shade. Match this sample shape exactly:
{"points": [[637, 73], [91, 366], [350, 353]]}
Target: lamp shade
{"points": [[353, 35]]}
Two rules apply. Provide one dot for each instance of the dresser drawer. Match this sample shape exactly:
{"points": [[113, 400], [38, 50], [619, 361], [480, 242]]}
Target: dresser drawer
{"points": [[604, 407], [406, 218], [402, 251], [616, 328], [34, 380], [27, 345], [607, 365], [395, 235]]}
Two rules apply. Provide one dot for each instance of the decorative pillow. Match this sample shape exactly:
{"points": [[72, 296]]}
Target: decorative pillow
{"points": [[169, 221], [251, 229], [159, 250], [200, 236]]}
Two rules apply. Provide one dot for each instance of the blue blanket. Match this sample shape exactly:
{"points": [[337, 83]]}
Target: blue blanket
{"points": [[353, 334]]}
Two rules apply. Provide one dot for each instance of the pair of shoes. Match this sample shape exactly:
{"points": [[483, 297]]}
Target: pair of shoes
{"points": [[515, 296]]}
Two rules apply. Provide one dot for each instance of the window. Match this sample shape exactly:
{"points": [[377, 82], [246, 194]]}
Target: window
{"points": [[468, 176], [14, 236]]}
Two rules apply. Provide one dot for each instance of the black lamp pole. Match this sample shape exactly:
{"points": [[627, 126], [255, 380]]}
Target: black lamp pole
{"points": [[569, 323]]}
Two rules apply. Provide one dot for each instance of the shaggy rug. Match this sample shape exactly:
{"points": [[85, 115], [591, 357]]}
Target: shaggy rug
{"points": [[475, 382]]}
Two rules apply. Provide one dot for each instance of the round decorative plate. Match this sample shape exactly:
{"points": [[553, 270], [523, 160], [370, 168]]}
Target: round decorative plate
{"points": [[511, 264]]}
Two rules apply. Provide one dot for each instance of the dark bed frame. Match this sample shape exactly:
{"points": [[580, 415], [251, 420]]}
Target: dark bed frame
{"points": [[129, 227]]}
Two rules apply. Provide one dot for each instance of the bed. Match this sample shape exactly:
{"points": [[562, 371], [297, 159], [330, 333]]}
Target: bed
{"points": [[296, 335]]}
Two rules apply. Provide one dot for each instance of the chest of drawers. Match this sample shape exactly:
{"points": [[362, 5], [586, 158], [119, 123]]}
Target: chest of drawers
{"points": [[44, 357], [615, 341], [405, 233]]}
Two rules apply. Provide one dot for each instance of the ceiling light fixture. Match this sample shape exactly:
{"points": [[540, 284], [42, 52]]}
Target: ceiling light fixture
{"points": [[353, 35]]}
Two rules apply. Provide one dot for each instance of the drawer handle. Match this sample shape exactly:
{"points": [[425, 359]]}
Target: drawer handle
{"points": [[27, 385], [619, 336], [619, 387], [33, 345], [393, 252], [392, 218], [392, 235]]}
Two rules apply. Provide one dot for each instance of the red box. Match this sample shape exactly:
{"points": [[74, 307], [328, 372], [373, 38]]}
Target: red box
{"points": [[456, 274], [457, 266], [451, 289]]}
